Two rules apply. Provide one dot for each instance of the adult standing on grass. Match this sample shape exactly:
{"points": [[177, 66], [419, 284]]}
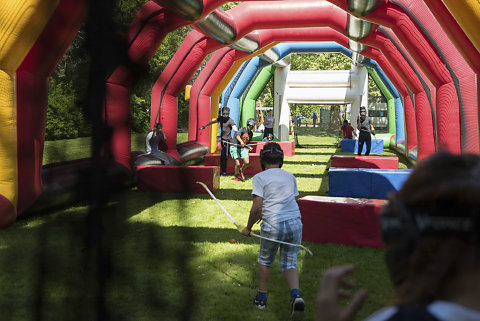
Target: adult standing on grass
{"points": [[431, 230], [268, 123], [365, 127], [274, 191], [299, 121], [226, 126], [239, 151], [314, 119]]}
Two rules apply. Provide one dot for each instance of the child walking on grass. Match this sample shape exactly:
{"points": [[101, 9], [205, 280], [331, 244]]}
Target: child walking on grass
{"points": [[274, 191]]}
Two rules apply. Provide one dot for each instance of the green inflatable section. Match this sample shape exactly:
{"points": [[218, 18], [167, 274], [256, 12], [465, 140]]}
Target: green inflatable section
{"points": [[251, 95]]}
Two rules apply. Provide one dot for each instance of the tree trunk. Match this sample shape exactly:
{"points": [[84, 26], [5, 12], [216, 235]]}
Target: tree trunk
{"points": [[335, 118]]}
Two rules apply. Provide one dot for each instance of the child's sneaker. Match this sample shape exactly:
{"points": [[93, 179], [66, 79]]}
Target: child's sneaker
{"points": [[260, 303], [298, 308], [236, 178], [241, 175]]}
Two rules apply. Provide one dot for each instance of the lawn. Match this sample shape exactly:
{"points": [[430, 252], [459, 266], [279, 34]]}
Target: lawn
{"points": [[168, 257]]}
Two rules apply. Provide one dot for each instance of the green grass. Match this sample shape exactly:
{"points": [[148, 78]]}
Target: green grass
{"points": [[168, 257]]}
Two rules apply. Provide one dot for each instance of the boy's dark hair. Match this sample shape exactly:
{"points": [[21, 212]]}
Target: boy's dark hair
{"points": [[271, 154], [225, 110], [345, 123]]}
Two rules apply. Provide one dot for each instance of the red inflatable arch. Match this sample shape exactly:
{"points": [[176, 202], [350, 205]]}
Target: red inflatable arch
{"points": [[462, 74], [393, 16], [215, 75], [317, 14]]}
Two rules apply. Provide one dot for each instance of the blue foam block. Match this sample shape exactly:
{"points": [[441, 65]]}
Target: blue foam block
{"points": [[365, 182], [351, 146]]}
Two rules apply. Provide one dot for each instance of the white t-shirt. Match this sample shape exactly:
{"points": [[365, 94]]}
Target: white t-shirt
{"points": [[442, 310], [156, 141], [278, 188]]}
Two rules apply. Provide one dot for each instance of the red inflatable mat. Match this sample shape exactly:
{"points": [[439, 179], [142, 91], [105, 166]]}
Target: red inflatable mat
{"points": [[348, 161], [287, 147], [177, 179], [341, 220]]}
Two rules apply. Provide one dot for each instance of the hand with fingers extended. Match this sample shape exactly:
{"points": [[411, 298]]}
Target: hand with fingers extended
{"points": [[332, 288]]}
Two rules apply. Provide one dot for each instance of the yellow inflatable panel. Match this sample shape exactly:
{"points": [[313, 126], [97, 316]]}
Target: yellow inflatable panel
{"points": [[21, 23], [8, 134], [467, 14], [188, 88], [214, 101]]}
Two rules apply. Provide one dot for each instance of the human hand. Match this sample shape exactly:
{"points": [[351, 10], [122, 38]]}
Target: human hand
{"points": [[246, 231], [332, 288]]}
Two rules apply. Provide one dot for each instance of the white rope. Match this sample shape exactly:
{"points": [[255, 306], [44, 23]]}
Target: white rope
{"points": [[240, 228]]}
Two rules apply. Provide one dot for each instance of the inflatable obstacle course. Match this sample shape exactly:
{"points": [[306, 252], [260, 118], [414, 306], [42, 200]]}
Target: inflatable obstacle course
{"points": [[429, 51]]}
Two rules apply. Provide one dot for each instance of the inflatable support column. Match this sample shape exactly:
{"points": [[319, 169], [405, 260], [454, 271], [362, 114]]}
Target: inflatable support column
{"points": [[34, 35]]}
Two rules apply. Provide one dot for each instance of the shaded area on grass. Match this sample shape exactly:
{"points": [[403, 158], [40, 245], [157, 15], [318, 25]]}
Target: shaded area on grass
{"points": [[169, 257]]}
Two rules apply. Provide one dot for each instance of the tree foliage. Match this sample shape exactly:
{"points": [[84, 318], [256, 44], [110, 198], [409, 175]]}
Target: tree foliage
{"points": [[320, 61], [373, 89], [64, 118], [69, 81]]}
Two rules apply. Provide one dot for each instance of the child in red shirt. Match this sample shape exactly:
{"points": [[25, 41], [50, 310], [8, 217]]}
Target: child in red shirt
{"points": [[347, 131]]}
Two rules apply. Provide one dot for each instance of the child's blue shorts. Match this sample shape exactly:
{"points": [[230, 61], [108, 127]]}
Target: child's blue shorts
{"points": [[288, 231]]}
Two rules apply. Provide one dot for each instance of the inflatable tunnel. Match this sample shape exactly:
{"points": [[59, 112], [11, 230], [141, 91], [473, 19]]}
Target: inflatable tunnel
{"points": [[428, 50]]}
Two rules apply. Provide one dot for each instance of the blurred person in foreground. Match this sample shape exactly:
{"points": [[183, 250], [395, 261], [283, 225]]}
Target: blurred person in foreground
{"points": [[431, 229]]}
